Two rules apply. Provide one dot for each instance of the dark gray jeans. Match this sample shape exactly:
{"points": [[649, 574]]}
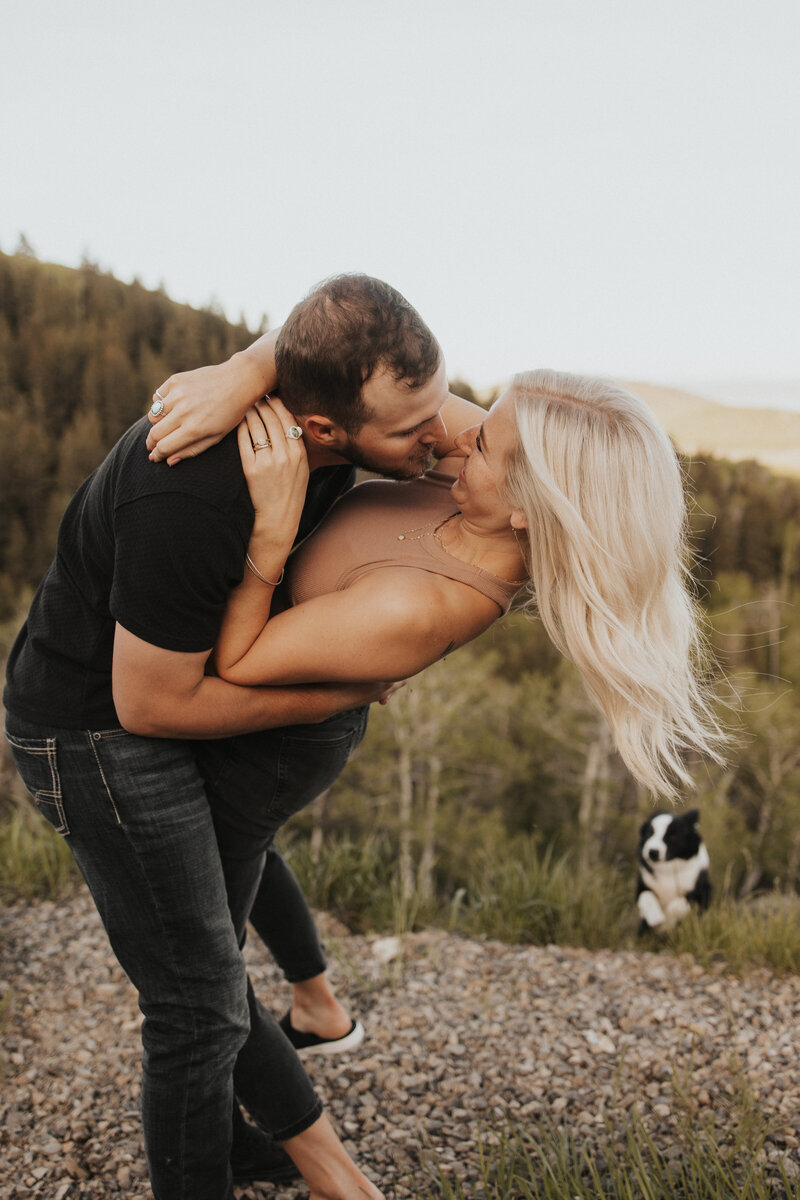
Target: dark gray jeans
{"points": [[137, 818], [254, 783]]}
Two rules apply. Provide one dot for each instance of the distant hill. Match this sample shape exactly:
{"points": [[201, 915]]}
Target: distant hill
{"points": [[698, 425]]}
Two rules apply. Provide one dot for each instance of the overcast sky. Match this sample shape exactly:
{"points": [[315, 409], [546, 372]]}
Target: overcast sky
{"points": [[602, 185]]}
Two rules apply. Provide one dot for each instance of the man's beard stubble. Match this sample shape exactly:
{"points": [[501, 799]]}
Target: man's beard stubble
{"points": [[413, 469]]}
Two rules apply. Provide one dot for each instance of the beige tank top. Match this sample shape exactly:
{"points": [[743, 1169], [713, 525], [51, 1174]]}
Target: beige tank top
{"points": [[382, 523]]}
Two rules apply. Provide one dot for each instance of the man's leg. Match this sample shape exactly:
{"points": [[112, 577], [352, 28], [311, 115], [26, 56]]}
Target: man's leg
{"points": [[135, 814]]}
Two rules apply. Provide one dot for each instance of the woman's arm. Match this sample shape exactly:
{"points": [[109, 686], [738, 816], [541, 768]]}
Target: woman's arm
{"points": [[205, 404], [276, 470], [390, 624]]}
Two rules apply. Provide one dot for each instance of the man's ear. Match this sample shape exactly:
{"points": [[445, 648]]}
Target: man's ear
{"points": [[518, 519], [323, 431]]}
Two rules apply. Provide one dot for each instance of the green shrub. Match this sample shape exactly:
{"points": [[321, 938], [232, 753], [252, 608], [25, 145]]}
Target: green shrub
{"points": [[352, 880]]}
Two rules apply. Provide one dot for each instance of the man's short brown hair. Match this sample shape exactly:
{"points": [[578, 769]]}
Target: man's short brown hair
{"points": [[333, 341]]}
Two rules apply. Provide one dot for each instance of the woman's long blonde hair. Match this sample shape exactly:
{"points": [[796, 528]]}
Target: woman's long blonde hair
{"points": [[602, 493]]}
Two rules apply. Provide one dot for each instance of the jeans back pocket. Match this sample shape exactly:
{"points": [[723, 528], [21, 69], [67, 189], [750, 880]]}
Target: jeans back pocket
{"points": [[37, 763]]}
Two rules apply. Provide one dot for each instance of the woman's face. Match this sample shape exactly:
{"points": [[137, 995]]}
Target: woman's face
{"points": [[479, 488]]}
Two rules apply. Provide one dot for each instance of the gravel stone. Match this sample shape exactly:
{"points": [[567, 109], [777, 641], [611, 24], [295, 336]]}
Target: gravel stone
{"points": [[462, 1036]]}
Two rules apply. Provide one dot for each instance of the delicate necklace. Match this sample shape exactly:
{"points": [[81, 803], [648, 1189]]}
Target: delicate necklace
{"points": [[422, 531], [426, 529]]}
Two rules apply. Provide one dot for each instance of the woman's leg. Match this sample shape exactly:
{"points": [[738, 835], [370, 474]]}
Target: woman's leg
{"points": [[326, 1166], [282, 919]]}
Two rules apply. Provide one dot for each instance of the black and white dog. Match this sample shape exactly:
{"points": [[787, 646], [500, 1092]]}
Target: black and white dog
{"points": [[673, 870]]}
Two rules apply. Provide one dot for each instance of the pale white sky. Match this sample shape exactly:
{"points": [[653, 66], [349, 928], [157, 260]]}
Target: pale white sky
{"points": [[603, 185]]}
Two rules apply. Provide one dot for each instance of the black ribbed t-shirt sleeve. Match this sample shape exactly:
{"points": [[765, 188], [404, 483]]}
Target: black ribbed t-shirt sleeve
{"points": [[176, 561]]}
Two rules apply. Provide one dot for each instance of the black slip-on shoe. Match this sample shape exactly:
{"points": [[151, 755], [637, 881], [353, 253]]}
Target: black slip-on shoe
{"points": [[310, 1043]]}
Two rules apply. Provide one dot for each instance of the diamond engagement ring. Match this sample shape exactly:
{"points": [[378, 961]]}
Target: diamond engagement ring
{"points": [[294, 432], [262, 444]]}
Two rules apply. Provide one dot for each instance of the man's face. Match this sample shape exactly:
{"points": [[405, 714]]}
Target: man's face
{"points": [[404, 425]]}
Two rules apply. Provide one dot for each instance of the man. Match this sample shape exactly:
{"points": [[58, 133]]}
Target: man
{"points": [[107, 689]]}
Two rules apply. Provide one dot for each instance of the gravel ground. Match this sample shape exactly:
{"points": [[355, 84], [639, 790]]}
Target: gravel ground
{"points": [[461, 1036]]}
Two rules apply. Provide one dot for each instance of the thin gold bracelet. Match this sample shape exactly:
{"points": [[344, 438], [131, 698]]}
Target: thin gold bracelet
{"points": [[258, 574]]}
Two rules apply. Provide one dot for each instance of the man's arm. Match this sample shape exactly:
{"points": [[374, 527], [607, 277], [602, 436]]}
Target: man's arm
{"points": [[458, 414], [165, 693], [205, 404]]}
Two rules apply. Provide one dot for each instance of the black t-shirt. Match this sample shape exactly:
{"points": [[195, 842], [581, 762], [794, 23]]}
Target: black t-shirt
{"points": [[156, 549]]}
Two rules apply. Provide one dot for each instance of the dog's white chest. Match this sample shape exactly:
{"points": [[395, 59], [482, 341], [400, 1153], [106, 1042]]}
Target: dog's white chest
{"points": [[674, 878]]}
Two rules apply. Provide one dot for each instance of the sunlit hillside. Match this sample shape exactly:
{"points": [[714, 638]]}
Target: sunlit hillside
{"points": [[699, 425]]}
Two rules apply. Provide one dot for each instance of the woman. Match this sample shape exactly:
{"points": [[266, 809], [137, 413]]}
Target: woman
{"points": [[569, 482]]}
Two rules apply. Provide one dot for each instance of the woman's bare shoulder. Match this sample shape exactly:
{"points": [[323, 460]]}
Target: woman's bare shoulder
{"points": [[423, 602]]}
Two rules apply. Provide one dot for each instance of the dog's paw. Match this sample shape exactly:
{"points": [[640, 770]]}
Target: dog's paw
{"points": [[677, 909], [650, 911]]}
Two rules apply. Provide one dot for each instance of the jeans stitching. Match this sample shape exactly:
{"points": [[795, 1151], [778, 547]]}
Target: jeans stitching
{"points": [[96, 756], [291, 745]]}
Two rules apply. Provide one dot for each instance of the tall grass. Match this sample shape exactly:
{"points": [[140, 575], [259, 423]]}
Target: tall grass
{"points": [[762, 932], [356, 881], [526, 894], [703, 1159], [517, 892]]}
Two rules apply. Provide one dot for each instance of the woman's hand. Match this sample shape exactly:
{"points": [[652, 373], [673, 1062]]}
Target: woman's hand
{"points": [[276, 469], [195, 409]]}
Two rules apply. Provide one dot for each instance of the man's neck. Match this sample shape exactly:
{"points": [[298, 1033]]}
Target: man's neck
{"points": [[318, 456]]}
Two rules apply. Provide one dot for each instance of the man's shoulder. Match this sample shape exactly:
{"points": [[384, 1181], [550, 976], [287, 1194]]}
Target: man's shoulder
{"points": [[213, 479]]}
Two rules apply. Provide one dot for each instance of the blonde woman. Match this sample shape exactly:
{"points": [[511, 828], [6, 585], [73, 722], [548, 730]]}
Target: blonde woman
{"points": [[568, 483]]}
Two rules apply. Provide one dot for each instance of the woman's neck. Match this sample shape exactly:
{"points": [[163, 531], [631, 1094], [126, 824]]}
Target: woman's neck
{"points": [[497, 551]]}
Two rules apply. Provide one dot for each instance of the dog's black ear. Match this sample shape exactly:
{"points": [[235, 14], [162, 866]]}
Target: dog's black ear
{"points": [[643, 828], [692, 816]]}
